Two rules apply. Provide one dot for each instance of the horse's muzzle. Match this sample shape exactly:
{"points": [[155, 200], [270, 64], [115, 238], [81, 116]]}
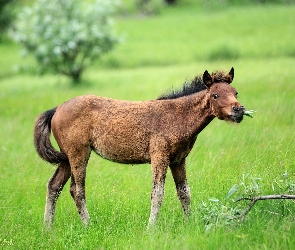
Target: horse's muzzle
{"points": [[237, 113]]}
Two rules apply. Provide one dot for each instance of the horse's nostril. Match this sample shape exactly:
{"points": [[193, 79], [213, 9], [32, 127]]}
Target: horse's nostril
{"points": [[238, 108]]}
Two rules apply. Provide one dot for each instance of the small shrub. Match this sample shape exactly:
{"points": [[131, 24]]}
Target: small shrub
{"points": [[65, 36], [229, 212], [217, 214], [224, 52], [149, 7]]}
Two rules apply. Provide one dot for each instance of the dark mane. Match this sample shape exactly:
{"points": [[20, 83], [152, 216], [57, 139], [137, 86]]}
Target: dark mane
{"points": [[194, 86]]}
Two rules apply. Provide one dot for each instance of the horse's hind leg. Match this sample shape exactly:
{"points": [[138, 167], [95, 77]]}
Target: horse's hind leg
{"points": [[78, 193], [77, 189], [182, 188], [54, 188]]}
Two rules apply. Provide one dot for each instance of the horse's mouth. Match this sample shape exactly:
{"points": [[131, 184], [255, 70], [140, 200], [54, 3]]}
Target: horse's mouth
{"points": [[236, 117]]}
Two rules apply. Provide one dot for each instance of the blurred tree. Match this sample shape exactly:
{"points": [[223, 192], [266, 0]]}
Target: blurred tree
{"points": [[170, 1], [6, 15], [65, 36], [149, 7]]}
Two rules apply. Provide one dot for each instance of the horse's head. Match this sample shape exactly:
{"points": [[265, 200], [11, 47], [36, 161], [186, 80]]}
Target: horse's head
{"points": [[223, 97]]}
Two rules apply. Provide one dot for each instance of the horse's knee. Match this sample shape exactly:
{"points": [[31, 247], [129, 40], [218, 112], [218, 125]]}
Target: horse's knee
{"points": [[158, 192], [183, 191]]}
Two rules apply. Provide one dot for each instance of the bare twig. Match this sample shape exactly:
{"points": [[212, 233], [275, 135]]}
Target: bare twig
{"points": [[264, 197]]}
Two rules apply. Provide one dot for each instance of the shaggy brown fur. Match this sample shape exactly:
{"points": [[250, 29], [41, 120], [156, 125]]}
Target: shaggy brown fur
{"points": [[161, 132]]}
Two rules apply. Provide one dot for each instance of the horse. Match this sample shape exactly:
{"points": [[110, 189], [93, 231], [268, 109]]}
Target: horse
{"points": [[161, 132]]}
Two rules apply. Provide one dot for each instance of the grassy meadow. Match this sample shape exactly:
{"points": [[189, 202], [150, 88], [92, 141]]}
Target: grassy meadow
{"points": [[158, 53]]}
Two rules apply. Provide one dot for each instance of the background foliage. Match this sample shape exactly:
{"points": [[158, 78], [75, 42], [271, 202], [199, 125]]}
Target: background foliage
{"points": [[66, 36], [6, 15]]}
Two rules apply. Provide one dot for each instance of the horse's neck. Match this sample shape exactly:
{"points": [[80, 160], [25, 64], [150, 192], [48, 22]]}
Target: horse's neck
{"points": [[198, 112]]}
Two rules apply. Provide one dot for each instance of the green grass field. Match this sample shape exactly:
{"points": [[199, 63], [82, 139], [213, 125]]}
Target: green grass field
{"points": [[160, 52]]}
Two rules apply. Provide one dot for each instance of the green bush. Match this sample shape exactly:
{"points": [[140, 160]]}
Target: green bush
{"points": [[66, 36], [224, 52], [6, 15]]}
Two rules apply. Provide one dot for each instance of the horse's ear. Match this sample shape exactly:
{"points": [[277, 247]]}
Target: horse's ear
{"points": [[207, 79], [231, 75]]}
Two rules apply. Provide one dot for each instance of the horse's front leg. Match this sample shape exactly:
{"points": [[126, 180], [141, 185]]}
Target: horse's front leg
{"points": [[54, 188], [159, 170], [183, 191]]}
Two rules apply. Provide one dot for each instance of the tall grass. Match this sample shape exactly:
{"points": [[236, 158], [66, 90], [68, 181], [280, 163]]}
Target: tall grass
{"points": [[118, 196]]}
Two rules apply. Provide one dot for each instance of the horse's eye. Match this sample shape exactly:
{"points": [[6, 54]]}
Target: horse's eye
{"points": [[215, 96], [236, 93]]}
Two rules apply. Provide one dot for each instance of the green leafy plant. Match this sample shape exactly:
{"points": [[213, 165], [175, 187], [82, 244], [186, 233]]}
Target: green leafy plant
{"points": [[228, 212], [66, 36], [219, 213], [249, 113]]}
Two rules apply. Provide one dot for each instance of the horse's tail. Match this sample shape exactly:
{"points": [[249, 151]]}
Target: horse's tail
{"points": [[42, 139]]}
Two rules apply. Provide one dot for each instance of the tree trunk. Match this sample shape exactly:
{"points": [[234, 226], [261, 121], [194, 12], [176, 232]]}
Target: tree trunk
{"points": [[170, 1], [76, 76]]}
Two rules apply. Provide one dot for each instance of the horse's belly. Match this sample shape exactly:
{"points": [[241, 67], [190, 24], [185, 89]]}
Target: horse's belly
{"points": [[120, 151]]}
